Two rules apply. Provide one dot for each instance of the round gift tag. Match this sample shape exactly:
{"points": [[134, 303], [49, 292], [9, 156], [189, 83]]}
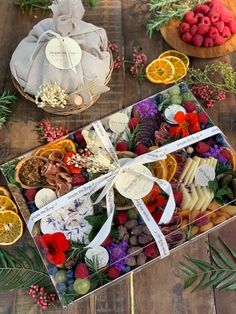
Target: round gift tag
{"points": [[44, 197], [100, 253], [118, 122], [171, 111], [133, 185], [64, 53], [204, 174]]}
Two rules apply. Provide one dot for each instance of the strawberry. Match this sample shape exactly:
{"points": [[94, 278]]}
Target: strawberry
{"points": [[219, 40], [202, 118], [82, 271], [225, 153], [30, 194], [214, 16], [78, 179], [187, 37], [226, 33], [199, 16], [202, 147], [193, 30], [133, 122], [208, 42], [232, 27], [219, 25], [141, 149], [189, 106], [205, 20], [151, 250], [178, 196], [121, 217], [113, 272], [197, 40], [107, 241], [184, 27], [189, 15], [202, 29], [213, 32], [121, 146], [157, 215]]}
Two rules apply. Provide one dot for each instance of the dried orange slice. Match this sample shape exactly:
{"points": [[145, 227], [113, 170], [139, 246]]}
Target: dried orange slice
{"points": [[232, 158], [174, 53], [180, 70], [46, 152], [160, 169], [7, 204], [171, 165], [65, 145], [5, 192], [11, 227], [160, 71]]}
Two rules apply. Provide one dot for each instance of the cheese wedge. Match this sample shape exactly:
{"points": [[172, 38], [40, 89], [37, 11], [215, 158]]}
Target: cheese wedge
{"points": [[191, 170], [201, 198], [186, 168], [197, 160], [211, 196], [208, 198], [194, 197], [186, 202]]}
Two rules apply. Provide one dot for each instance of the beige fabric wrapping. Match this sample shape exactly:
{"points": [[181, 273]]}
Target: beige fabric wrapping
{"points": [[29, 64]]}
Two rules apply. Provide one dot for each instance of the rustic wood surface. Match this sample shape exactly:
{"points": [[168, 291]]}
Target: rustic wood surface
{"points": [[170, 33], [157, 288]]}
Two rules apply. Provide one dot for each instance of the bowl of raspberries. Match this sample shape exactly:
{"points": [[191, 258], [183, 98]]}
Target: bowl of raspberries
{"points": [[208, 25]]}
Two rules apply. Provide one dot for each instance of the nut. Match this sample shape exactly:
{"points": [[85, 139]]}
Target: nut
{"points": [[141, 259], [133, 240], [134, 251], [130, 261], [130, 224]]}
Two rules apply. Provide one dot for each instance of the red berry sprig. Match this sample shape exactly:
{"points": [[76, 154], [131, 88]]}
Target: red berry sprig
{"points": [[208, 94], [42, 298], [50, 133]]}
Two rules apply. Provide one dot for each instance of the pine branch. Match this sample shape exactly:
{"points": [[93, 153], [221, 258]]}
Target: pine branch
{"points": [[21, 271], [221, 274], [98, 277], [5, 100], [9, 171]]}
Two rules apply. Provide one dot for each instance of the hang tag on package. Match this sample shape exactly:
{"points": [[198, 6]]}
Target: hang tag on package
{"points": [[64, 53]]}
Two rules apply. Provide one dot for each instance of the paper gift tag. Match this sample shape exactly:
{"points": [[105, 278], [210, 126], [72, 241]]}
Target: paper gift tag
{"points": [[204, 174], [134, 185], [63, 53], [118, 122]]}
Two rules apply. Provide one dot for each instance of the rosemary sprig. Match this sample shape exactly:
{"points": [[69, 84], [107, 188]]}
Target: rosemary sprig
{"points": [[93, 3], [218, 75], [9, 171], [97, 277], [5, 100], [131, 137], [33, 4], [162, 11]]}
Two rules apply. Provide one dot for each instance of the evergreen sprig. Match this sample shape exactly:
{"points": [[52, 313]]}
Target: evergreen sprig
{"points": [[21, 271], [98, 277], [131, 137], [221, 273], [9, 171], [5, 100], [33, 4]]}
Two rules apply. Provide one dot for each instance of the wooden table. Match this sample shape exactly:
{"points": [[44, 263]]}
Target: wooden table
{"points": [[157, 288]]}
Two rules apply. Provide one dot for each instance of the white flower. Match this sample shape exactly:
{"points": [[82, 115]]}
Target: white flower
{"points": [[51, 95]]}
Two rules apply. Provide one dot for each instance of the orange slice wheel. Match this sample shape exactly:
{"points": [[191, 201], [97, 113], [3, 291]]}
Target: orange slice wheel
{"points": [[179, 67], [160, 169], [171, 165], [11, 227], [160, 71], [174, 53]]}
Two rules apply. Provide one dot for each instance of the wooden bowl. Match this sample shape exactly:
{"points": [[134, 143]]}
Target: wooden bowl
{"points": [[170, 33]]}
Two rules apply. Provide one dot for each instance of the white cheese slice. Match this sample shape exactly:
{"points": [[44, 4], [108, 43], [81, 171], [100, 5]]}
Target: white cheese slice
{"points": [[185, 170], [201, 198], [197, 160], [191, 170], [186, 202], [194, 197]]}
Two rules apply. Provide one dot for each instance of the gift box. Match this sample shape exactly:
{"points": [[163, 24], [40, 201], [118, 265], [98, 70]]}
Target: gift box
{"points": [[123, 192]]}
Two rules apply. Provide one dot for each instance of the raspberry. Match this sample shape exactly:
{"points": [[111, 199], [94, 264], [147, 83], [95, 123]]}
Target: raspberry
{"points": [[79, 137], [202, 29], [141, 149], [202, 147], [107, 242], [226, 16], [193, 30], [121, 146], [197, 7], [208, 42], [157, 215], [204, 9], [184, 27], [214, 16], [213, 32], [225, 154], [81, 271], [113, 272], [121, 217], [203, 118], [78, 179], [201, 220], [133, 122], [30, 194], [205, 20], [219, 25], [219, 40], [226, 33], [197, 40], [192, 21], [151, 250], [199, 16], [189, 106], [216, 5], [187, 37], [189, 15], [178, 197], [232, 27]]}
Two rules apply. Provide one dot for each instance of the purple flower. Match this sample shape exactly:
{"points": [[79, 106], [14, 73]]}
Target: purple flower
{"points": [[117, 254], [146, 108], [215, 152]]}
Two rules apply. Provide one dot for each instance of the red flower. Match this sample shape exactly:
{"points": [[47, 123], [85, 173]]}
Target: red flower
{"points": [[188, 124], [55, 245], [154, 199]]}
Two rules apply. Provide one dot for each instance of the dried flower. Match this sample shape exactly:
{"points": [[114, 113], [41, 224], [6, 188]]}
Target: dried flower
{"points": [[146, 108], [138, 63], [117, 254], [42, 298], [51, 95], [208, 94], [50, 133]]}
